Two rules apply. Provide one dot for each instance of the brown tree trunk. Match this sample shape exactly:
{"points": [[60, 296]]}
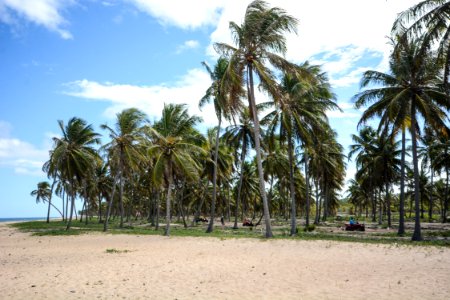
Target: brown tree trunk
{"points": [[214, 195], [417, 235], [258, 152]]}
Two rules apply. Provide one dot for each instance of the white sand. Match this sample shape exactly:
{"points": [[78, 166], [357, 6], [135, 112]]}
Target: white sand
{"points": [[156, 267]]}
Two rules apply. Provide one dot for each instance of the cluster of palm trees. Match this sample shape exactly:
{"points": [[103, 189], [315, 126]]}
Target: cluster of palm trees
{"points": [[413, 97], [279, 157], [295, 150]]}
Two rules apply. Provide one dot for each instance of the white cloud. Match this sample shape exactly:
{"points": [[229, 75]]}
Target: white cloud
{"points": [[187, 45], [343, 31], [181, 13], [22, 156], [45, 13], [150, 99]]}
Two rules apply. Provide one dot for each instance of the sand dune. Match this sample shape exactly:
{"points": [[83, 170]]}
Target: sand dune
{"points": [[156, 267]]}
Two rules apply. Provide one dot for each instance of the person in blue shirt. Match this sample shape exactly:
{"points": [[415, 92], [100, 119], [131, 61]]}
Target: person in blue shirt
{"points": [[352, 221]]}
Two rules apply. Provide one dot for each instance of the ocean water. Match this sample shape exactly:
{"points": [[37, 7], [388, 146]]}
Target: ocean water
{"points": [[20, 219]]}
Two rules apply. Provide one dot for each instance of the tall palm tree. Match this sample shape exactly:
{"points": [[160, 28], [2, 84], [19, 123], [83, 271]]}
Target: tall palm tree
{"points": [[175, 145], [298, 114], [219, 169], [441, 147], [73, 155], [261, 33], [223, 108], [123, 152], [328, 168], [412, 89], [240, 136]]}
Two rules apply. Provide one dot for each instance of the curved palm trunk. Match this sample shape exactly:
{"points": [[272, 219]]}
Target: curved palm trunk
{"points": [[258, 152], [241, 178], [214, 195], [292, 188], [401, 225], [417, 235], [50, 201]]}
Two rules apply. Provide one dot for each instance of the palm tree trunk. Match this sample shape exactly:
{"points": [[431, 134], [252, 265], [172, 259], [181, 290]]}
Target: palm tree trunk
{"points": [[158, 207], [180, 205], [50, 201], [417, 235], [401, 225], [63, 205], [388, 204], [214, 195], [72, 205], [444, 215], [67, 205], [307, 188], [292, 188], [99, 207], [241, 178], [168, 199], [121, 199], [430, 203], [110, 204], [258, 152]]}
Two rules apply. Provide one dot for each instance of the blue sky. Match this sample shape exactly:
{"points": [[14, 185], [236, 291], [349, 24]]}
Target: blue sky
{"points": [[91, 59]]}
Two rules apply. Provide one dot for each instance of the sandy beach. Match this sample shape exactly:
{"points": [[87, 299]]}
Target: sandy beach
{"points": [[157, 267]]}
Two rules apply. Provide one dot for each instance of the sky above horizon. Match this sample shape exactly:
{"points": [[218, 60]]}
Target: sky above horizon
{"points": [[93, 58]]}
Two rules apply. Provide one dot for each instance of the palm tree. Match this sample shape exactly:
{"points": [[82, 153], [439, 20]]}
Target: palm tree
{"points": [[412, 88], [261, 32], [431, 22], [441, 147], [44, 193], [173, 146], [73, 155], [222, 169], [298, 114], [328, 168], [240, 136], [223, 108], [123, 152]]}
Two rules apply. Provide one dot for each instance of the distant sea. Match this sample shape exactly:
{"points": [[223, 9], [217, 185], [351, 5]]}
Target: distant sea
{"points": [[20, 219]]}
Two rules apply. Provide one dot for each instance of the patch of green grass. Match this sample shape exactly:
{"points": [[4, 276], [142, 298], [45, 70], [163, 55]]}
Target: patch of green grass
{"points": [[58, 228]]}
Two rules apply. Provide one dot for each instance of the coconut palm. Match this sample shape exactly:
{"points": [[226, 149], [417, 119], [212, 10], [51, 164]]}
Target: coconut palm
{"points": [[123, 152], [73, 155], [441, 148], [173, 147], [223, 108], [412, 89], [430, 21], [44, 193], [298, 114], [220, 168], [240, 136], [328, 168], [260, 34]]}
